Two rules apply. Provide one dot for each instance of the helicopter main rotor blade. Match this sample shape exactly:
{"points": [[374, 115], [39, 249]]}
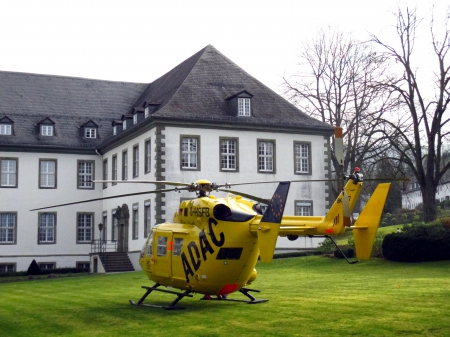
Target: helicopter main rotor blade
{"points": [[248, 196], [159, 182], [105, 198]]}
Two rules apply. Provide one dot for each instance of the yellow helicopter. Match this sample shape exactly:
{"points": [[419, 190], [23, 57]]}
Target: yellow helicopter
{"points": [[213, 244]]}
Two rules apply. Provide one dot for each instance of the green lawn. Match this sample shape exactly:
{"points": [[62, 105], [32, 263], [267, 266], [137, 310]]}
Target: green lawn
{"points": [[308, 296]]}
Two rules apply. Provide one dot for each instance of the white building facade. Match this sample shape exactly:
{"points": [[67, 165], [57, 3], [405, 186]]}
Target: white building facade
{"points": [[205, 119]]}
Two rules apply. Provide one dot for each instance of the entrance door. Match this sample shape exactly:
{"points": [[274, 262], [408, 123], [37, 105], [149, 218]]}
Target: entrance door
{"points": [[122, 236], [163, 250]]}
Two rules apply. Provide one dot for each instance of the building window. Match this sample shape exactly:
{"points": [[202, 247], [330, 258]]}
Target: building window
{"points": [[266, 156], [85, 174], [115, 226], [148, 151], [303, 208], [136, 161], [135, 229], [5, 129], [47, 265], [114, 130], [125, 165], [190, 153], [135, 118], [302, 158], [244, 107], [8, 172], [47, 130], [147, 218], [47, 173], [47, 228], [7, 228], [229, 154], [147, 112], [84, 265], [84, 227], [124, 124], [7, 268], [105, 172], [114, 169], [105, 226], [90, 133]]}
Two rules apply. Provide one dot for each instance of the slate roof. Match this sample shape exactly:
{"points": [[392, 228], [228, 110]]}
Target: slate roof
{"points": [[69, 102], [198, 89]]}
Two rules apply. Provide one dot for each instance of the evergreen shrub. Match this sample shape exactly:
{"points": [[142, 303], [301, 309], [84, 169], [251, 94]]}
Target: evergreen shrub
{"points": [[419, 242]]}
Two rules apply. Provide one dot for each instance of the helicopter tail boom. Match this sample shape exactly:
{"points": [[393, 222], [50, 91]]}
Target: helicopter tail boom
{"points": [[366, 226]]}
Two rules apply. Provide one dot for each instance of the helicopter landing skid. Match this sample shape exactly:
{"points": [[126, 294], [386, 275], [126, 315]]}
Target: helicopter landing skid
{"points": [[244, 291], [171, 306]]}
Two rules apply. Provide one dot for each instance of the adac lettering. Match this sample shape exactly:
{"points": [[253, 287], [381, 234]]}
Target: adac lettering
{"points": [[199, 254]]}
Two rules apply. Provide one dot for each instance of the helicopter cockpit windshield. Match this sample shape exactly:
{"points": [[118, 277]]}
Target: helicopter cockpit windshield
{"points": [[225, 213]]}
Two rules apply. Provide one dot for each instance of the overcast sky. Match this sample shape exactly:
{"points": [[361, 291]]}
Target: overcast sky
{"points": [[140, 40]]}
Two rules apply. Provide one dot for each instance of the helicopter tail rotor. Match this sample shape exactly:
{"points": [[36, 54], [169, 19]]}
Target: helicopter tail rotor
{"points": [[269, 225]]}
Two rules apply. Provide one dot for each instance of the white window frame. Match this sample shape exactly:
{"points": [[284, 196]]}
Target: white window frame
{"points": [[244, 107], [114, 168], [47, 173], [147, 218], [190, 149], [47, 228], [86, 173], [85, 223], [5, 129], [146, 112], [90, 132], [47, 130], [125, 165], [8, 228], [303, 208], [302, 157], [266, 156], [135, 118], [135, 230], [148, 158], [228, 154], [105, 172], [135, 161], [8, 174]]}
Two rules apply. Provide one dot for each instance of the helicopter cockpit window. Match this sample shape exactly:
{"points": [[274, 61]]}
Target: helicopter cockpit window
{"points": [[225, 213], [177, 246], [150, 241], [162, 246]]}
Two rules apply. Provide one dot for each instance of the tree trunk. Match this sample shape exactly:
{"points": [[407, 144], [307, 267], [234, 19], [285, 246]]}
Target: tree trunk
{"points": [[429, 203]]}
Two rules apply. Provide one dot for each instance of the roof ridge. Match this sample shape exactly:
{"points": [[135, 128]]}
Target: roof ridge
{"points": [[64, 77]]}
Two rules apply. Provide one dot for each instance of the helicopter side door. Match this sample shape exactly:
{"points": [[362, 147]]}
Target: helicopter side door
{"points": [[163, 253]]}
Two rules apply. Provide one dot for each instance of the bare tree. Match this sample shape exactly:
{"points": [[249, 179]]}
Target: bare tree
{"points": [[421, 128], [337, 83]]}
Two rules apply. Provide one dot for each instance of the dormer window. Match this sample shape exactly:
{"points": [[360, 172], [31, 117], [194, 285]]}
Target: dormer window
{"points": [[47, 130], [6, 126], [240, 104], [147, 112], [244, 107], [5, 129], [114, 130], [89, 130], [135, 118], [46, 127], [124, 124], [90, 133]]}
